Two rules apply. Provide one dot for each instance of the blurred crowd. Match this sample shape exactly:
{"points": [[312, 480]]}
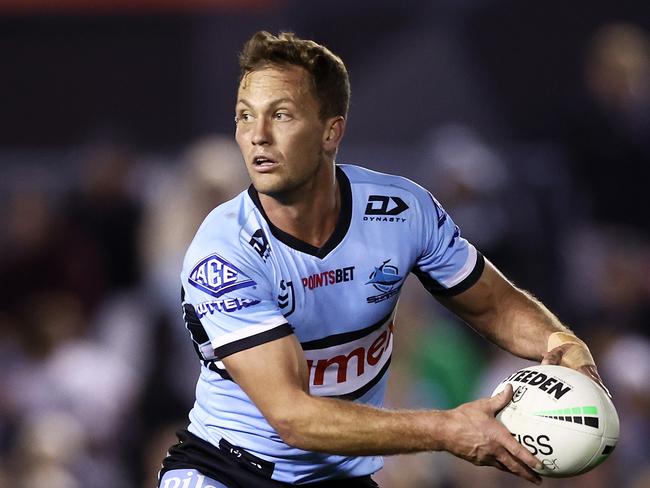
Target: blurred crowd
{"points": [[97, 370]]}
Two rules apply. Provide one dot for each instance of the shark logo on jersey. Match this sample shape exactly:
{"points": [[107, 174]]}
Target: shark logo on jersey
{"points": [[216, 276], [386, 279]]}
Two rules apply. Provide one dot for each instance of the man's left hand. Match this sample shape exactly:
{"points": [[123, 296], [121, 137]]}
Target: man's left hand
{"points": [[575, 355]]}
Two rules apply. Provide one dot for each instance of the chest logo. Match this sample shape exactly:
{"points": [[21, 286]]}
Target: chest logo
{"points": [[381, 205], [386, 279], [216, 276], [328, 278], [381, 208]]}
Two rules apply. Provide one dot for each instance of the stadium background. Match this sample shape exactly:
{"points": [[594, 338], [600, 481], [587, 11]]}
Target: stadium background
{"points": [[529, 121]]}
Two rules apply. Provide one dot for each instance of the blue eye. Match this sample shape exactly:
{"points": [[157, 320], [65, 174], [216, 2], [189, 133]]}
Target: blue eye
{"points": [[281, 116], [243, 117]]}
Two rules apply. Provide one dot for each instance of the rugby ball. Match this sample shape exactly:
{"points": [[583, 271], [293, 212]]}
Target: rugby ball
{"points": [[561, 416]]}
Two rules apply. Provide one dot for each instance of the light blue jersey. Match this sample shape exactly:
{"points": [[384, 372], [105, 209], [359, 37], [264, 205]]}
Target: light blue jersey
{"points": [[246, 282]]}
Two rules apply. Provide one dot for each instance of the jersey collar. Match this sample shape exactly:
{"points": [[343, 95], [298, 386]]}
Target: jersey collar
{"points": [[341, 229]]}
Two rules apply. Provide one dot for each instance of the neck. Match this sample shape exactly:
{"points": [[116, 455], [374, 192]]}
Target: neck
{"points": [[309, 214]]}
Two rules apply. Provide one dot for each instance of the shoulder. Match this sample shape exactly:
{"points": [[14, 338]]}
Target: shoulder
{"points": [[385, 189], [223, 240], [360, 176]]}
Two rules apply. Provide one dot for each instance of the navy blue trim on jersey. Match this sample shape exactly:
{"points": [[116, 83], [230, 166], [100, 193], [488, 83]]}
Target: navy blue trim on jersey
{"points": [[336, 339], [436, 289], [198, 333], [212, 366], [342, 224], [367, 387], [278, 332]]}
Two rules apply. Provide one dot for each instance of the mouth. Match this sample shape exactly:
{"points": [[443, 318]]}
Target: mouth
{"points": [[263, 163]]}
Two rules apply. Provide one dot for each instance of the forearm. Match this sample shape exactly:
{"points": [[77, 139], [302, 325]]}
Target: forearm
{"points": [[325, 424], [507, 316], [335, 426], [469, 431], [523, 325], [519, 323], [343, 427]]}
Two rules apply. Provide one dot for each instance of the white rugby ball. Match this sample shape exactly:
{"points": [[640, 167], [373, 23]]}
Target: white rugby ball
{"points": [[563, 417]]}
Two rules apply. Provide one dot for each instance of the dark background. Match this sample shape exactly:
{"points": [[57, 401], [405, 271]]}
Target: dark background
{"points": [[163, 78], [529, 121]]}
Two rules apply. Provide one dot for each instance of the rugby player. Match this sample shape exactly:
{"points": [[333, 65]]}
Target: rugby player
{"points": [[289, 292]]}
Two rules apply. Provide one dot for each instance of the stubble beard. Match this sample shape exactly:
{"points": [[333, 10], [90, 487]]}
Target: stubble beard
{"points": [[288, 191]]}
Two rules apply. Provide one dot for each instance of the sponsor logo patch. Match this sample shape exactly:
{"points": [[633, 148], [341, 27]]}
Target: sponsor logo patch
{"points": [[385, 279], [344, 368], [331, 277], [260, 243], [227, 305], [381, 208], [216, 276], [190, 478]]}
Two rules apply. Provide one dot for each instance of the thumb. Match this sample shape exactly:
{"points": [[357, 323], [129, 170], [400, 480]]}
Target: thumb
{"points": [[499, 401]]}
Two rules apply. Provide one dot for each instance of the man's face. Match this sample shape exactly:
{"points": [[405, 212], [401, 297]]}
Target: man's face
{"points": [[279, 131]]}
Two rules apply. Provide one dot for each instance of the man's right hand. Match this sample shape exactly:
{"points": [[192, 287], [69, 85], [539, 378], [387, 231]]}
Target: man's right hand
{"points": [[472, 432], [275, 376]]}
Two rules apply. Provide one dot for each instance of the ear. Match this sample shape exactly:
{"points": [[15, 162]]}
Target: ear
{"points": [[334, 130]]}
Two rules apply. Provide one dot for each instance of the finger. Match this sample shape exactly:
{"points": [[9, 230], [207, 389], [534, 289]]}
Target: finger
{"points": [[592, 372], [518, 451], [499, 401], [516, 467]]}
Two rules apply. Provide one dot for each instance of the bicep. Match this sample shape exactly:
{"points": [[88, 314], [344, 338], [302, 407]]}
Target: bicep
{"points": [[274, 375]]}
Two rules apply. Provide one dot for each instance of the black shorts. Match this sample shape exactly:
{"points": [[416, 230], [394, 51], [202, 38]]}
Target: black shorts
{"points": [[235, 467]]}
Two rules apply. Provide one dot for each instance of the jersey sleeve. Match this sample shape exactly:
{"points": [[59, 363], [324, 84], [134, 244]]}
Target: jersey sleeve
{"points": [[228, 304], [448, 264]]}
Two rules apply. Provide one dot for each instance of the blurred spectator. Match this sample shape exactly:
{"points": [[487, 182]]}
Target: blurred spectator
{"points": [[608, 133], [607, 280], [626, 361], [104, 214], [508, 198], [470, 178], [178, 198]]}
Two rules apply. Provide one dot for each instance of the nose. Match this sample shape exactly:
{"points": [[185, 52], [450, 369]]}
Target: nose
{"points": [[261, 132]]}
